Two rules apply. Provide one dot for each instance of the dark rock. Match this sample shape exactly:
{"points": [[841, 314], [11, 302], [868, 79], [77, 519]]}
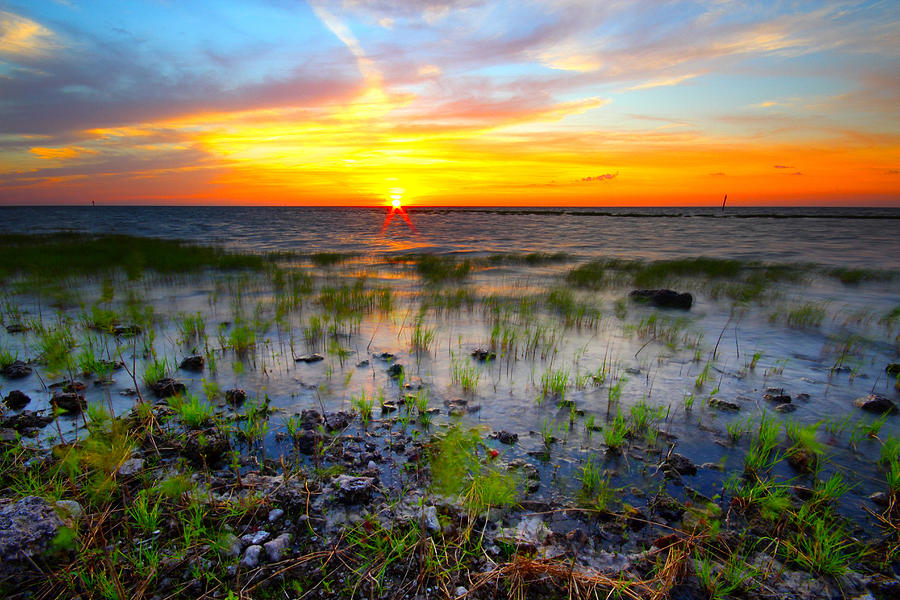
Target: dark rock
{"points": [[354, 490], [483, 354], [667, 507], [26, 420], [663, 298], [8, 436], [505, 437], [680, 464], [778, 398], [395, 370], [192, 363], [307, 441], [16, 400], [205, 446], [277, 548], [785, 408], [69, 402], [310, 419], [337, 420], [127, 330], [893, 369], [310, 358], [16, 370], [235, 396], [71, 387], [17, 328], [168, 387], [413, 383], [881, 499], [802, 460], [876, 403], [362, 363], [723, 404], [27, 527], [384, 356]]}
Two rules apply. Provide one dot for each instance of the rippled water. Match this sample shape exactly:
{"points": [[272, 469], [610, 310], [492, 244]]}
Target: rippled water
{"points": [[859, 237]]}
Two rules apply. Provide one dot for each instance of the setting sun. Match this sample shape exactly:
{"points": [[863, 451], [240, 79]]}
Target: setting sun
{"points": [[396, 203]]}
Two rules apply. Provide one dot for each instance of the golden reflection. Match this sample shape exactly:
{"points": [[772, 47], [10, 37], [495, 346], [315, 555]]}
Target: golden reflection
{"points": [[396, 196]]}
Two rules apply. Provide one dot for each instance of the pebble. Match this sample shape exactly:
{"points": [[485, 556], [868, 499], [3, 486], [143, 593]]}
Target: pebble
{"points": [[251, 557], [255, 539], [275, 514], [460, 591], [276, 549]]}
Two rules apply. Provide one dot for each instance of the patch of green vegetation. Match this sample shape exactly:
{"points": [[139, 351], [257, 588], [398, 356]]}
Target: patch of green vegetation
{"points": [[439, 269], [69, 254], [851, 276]]}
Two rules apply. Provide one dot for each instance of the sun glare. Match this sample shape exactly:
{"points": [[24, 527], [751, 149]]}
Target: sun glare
{"points": [[396, 203]]}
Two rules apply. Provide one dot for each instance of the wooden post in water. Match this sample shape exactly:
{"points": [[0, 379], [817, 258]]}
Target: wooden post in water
{"points": [[724, 200]]}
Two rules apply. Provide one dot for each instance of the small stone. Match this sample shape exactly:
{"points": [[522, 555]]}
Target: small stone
{"points": [[786, 408], [131, 467], [505, 437], [310, 358], [235, 396], [251, 557], [74, 386], [337, 420], [27, 527], [680, 464], [429, 518], [663, 298], [16, 328], [712, 466], [16, 400], [723, 404], [371, 466], [881, 499], [192, 363], [69, 402], [127, 330], [168, 387], [483, 354], [278, 547], [384, 356], [893, 369], [413, 383], [460, 591], [876, 403], [354, 490], [362, 363], [395, 370], [16, 370], [778, 398], [275, 514], [257, 538], [229, 545]]}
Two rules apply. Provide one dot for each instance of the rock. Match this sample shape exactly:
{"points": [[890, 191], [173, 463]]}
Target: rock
{"points": [[205, 446], [307, 441], [712, 466], [893, 369], [429, 518], [131, 467], [27, 527], [257, 538], [663, 298], [680, 464], [127, 330], [395, 370], [310, 358], [16, 370], [778, 398], [192, 363], [610, 562], [354, 490], [881, 499], [251, 557], [17, 328], [460, 592], [275, 514], [362, 363], [531, 473], [505, 437], [277, 548], [72, 387], [70, 508], [337, 420], [26, 420], [310, 419], [168, 387], [235, 396], [483, 354], [802, 460], [723, 404], [786, 408], [413, 383], [69, 402], [530, 532], [8, 436], [16, 400], [876, 403], [384, 356]]}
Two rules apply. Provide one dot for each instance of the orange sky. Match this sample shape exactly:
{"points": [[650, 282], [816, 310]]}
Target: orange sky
{"points": [[555, 103]]}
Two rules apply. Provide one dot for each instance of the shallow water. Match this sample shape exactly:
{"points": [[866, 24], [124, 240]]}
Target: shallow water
{"points": [[833, 362]]}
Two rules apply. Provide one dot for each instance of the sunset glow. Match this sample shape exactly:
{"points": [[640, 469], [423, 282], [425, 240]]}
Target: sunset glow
{"points": [[450, 103]]}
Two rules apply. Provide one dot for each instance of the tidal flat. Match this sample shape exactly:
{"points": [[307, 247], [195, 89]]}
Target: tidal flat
{"points": [[185, 421]]}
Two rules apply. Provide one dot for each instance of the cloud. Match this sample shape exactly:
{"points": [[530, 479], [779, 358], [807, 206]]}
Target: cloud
{"points": [[60, 153], [662, 82], [782, 167], [603, 177], [21, 37]]}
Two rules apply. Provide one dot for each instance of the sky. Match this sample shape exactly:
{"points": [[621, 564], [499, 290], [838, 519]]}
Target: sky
{"points": [[450, 102]]}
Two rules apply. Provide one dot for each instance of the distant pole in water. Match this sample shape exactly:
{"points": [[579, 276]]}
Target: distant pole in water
{"points": [[724, 200], [92, 203]]}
